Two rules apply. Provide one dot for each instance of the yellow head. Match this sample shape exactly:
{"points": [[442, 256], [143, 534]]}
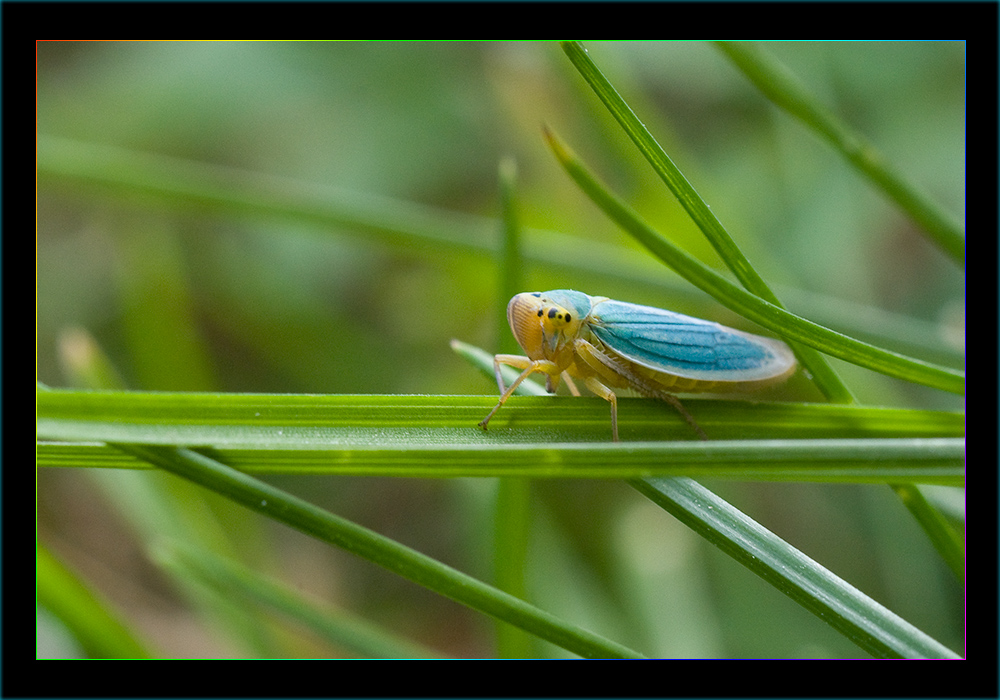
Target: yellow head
{"points": [[543, 328]]}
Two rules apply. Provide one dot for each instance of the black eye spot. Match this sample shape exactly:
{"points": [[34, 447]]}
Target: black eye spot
{"points": [[568, 318], [539, 313]]}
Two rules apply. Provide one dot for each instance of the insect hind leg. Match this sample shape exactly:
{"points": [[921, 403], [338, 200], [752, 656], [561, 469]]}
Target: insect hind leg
{"points": [[676, 403]]}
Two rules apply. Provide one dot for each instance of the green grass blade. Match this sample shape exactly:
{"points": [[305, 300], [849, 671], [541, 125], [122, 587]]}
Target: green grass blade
{"points": [[947, 539], [545, 437], [752, 307], [688, 197], [99, 630], [874, 461], [871, 626], [513, 523], [511, 260], [419, 568], [822, 373], [786, 92], [186, 184], [781, 87]]}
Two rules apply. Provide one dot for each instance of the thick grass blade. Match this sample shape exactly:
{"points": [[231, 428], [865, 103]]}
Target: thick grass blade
{"points": [[138, 417], [936, 461], [545, 437]]}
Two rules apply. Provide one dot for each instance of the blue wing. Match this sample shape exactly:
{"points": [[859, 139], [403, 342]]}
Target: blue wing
{"points": [[686, 346]]}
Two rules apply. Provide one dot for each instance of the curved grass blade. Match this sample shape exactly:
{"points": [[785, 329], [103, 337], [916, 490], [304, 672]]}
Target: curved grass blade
{"points": [[828, 381], [752, 307], [781, 87], [758, 65]]}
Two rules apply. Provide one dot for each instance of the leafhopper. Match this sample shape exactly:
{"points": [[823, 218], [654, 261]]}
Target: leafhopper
{"points": [[617, 345]]}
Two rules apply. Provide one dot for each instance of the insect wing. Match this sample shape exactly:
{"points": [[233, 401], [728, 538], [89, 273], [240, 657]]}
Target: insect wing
{"points": [[685, 346]]}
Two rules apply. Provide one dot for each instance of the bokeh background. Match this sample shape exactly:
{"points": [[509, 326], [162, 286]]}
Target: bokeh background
{"points": [[190, 298]]}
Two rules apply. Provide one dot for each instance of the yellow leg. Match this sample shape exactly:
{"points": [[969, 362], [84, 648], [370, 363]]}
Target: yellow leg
{"points": [[676, 403], [569, 383], [529, 366], [609, 396], [611, 368]]}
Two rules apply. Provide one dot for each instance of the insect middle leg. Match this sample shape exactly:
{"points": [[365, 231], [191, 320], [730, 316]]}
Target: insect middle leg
{"points": [[609, 396], [615, 371]]}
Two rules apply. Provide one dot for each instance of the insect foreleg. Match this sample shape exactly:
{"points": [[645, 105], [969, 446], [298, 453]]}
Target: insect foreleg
{"points": [[529, 366], [515, 361]]}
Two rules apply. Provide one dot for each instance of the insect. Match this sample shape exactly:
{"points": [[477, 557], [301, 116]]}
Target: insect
{"points": [[613, 344]]}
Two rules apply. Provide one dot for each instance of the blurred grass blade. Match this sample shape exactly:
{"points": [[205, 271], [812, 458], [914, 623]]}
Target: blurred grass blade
{"points": [[781, 87], [419, 568], [947, 539], [85, 363], [752, 307], [511, 260], [875, 629], [233, 580], [154, 181], [513, 523], [185, 183], [99, 631]]}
